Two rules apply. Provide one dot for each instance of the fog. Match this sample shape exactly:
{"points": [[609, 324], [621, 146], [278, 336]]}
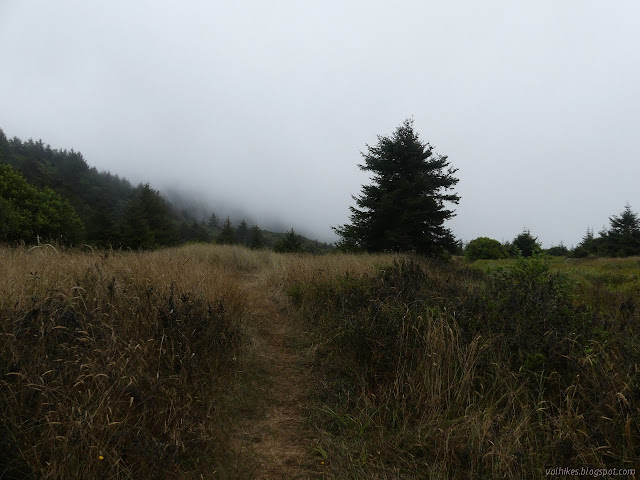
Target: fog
{"points": [[262, 108]]}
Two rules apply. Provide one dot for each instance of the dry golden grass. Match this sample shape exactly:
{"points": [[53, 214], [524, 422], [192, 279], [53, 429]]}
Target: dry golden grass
{"points": [[125, 364], [116, 364]]}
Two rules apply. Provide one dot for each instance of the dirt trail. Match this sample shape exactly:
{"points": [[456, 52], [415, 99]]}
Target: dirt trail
{"points": [[274, 435]]}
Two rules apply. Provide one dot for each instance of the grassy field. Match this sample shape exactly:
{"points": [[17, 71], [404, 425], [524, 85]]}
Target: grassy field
{"points": [[152, 364], [431, 370]]}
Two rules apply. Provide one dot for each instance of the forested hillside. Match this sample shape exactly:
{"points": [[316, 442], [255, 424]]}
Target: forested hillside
{"points": [[53, 194]]}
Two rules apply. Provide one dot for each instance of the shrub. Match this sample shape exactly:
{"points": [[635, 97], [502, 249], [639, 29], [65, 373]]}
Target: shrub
{"points": [[530, 307], [484, 248], [580, 252], [558, 251]]}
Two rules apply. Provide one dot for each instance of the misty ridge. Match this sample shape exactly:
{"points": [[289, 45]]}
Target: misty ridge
{"points": [[54, 195]]}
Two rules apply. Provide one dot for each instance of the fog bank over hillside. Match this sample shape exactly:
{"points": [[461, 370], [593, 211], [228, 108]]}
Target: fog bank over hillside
{"points": [[198, 205]]}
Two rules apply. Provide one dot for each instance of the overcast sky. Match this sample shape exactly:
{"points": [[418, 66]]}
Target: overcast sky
{"points": [[266, 105]]}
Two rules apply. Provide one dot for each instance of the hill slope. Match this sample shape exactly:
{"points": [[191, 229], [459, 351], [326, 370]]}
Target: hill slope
{"points": [[112, 210]]}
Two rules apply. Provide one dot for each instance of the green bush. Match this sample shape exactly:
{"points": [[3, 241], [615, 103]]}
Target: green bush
{"points": [[558, 251], [530, 307], [484, 248]]}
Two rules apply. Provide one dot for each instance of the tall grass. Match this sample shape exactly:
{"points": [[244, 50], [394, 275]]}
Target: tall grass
{"points": [[125, 364], [128, 365], [429, 370], [116, 365]]}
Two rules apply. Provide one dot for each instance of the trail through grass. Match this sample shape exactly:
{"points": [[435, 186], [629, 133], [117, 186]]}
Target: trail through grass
{"points": [[271, 430], [276, 391]]}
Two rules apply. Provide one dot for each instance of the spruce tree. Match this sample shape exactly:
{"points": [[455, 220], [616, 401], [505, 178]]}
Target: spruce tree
{"points": [[525, 243], [587, 246], [627, 223], [256, 238], [623, 237], [136, 231], [4, 146], [158, 215], [194, 232], [404, 208], [213, 221], [228, 233], [290, 243], [242, 233], [102, 227]]}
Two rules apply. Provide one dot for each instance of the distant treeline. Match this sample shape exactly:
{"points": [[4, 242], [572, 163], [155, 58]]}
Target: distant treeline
{"points": [[621, 239], [54, 195]]}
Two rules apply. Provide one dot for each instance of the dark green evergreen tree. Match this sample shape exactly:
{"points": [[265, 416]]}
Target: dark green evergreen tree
{"points": [[158, 216], [4, 146], [623, 237], [256, 239], [213, 221], [312, 246], [525, 244], [242, 233], [290, 243], [200, 233], [102, 227], [194, 231], [228, 234], [147, 222], [136, 231], [587, 246], [404, 208]]}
